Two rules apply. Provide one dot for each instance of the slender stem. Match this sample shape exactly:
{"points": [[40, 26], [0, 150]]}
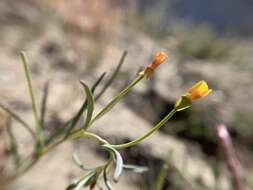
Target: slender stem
{"points": [[149, 133], [76, 134], [34, 107], [93, 136], [52, 146], [115, 99], [160, 181]]}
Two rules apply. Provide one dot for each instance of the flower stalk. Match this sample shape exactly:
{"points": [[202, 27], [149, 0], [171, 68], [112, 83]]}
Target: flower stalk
{"points": [[148, 134], [115, 100], [158, 60]]}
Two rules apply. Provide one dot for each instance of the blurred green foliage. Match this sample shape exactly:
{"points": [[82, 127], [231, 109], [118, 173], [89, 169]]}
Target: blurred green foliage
{"points": [[203, 43]]}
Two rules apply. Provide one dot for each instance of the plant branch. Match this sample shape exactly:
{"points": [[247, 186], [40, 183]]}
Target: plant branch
{"points": [[115, 99], [149, 133]]}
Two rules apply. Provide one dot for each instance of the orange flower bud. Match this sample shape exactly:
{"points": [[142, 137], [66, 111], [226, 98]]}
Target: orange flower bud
{"points": [[159, 59]]}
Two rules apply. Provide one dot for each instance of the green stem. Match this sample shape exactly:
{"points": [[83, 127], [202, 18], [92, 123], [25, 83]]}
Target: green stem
{"points": [[76, 134], [93, 136], [160, 181], [149, 133], [115, 99], [34, 107]]}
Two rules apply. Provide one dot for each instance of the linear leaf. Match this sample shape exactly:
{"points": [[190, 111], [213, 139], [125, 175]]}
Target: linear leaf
{"points": [[79, 163], [84, 181], [44, 103], [118, 162], [15, 116], [161, 179], [136, 169], [69, 125], [107, 183], [76, 118], [95, 85], [30, 88], [90, 105], [113, 76], [39, 132], [77, 185], [14, 147]]}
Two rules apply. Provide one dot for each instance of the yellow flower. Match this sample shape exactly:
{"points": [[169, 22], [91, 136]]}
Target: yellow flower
{"points": [[199, 90], [158, 60]]}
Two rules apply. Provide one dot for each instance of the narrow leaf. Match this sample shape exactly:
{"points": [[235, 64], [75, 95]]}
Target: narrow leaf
{"points": [[118, 162], [44, 103], [76, 118], [78, 184], [119, 166], [79, 163], [30, 88], [95, 85], [15, 116], [161, 179], [14, 147], [107, 183], [85, 181], [90, 105], [69, 125], [72, 185], [136, 169], [39, 132], [113, 76]]}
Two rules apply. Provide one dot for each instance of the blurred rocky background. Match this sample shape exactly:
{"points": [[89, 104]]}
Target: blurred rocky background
{"points": [[80, 39]]}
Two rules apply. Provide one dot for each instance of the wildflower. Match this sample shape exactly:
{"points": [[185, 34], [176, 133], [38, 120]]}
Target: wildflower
{"points": [[197, 91], [158, 60]]}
